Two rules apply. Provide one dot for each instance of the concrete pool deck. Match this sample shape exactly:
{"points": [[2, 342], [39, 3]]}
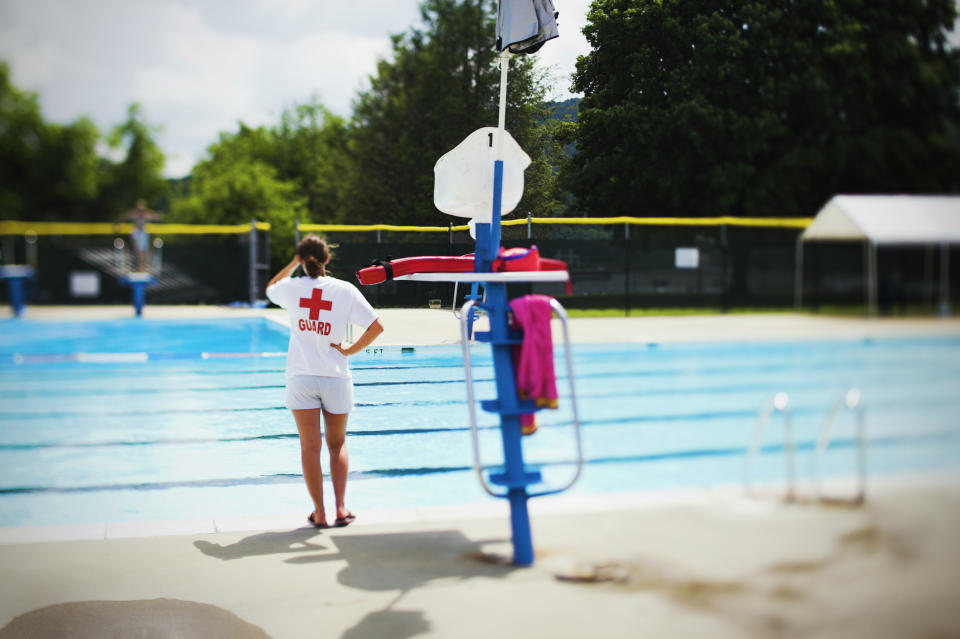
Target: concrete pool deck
{"points": [[700, 563]]}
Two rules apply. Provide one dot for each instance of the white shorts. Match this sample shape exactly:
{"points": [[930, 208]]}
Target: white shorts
{"points": [[332, 394]]}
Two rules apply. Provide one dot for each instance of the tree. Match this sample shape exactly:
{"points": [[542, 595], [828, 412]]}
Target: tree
{"points": [[442, 84], [236, 192], [237, 184], [293, 171], [52, 171], [47, 171], [310, 149], [140, 173], [716, 107], [306, 153]]}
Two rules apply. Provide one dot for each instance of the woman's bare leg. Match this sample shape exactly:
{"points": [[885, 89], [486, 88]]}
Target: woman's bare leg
{"points": [[308, 425], [335, 426]]}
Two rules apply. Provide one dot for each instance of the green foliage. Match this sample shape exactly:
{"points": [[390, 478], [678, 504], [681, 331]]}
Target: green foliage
{"points": [[236, 192], [290, 172], [52, 172], [47, 171], [311, 150], [237, 184], [140, 173], [714, 107], [441, 84]]}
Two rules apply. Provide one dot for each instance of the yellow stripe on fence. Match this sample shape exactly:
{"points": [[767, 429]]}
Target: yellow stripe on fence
{"points": [[64, 228], [204, 229], [772, 222], [775, 222], [310, 228], [123, 228]]}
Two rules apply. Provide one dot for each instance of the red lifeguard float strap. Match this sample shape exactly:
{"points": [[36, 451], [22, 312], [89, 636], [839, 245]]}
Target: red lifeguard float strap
{"points": [[382, 270]]}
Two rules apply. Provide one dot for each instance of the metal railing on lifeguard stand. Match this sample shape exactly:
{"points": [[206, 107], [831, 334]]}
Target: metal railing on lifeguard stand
{"points": [[515, 477]]}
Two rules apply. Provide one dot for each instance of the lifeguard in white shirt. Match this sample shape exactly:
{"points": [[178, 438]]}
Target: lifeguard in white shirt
{"points": [[319, 382]]}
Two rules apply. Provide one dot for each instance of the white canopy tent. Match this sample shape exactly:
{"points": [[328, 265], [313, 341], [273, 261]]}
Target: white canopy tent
{"points": [[886, 220]]}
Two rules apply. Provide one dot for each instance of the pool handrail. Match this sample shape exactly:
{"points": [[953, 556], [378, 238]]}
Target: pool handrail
{"points": [[852, 401], [780, 404], [465, 313], [568, 356], [472, 295], [471, 401]]}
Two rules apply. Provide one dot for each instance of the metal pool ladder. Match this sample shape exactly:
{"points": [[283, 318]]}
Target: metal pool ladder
{"points": [[851, 400], [779, 404]]}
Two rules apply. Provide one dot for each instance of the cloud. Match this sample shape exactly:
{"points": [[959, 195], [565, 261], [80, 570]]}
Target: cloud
{"points": [[198, 67], [562, 53]]}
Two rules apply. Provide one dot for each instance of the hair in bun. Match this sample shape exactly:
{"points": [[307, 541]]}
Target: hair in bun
{"points": [[314, 253]]}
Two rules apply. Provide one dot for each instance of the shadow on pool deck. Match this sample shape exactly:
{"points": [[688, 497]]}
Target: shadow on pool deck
{"points": [[380, 562], [715, 566]]}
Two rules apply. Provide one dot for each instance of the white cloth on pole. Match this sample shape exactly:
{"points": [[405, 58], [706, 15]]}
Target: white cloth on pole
{"points": [[524, 26]]}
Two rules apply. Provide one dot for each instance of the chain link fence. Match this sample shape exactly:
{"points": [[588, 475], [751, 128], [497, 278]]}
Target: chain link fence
{"points": [[82, 263], [626, 264]]}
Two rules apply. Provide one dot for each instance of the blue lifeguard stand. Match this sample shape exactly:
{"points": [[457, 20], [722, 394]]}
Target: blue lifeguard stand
{"points": [[16, 276], [138, 283], [516, 480]]}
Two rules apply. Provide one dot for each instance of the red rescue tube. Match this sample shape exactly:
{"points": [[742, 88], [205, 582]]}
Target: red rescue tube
{"points": [[547, 264], [378, 272], [521, 259], [406, 265]]}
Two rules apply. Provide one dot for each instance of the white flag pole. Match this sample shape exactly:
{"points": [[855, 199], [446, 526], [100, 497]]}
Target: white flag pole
{"points": [[498, 163], [502, 118]]}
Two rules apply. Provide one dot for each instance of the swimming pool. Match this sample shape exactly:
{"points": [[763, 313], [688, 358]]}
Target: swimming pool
{"points": [[139, 419]]}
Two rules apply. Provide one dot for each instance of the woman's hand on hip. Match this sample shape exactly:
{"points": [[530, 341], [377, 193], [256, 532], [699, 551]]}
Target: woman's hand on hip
{"points": [[373, 331]]}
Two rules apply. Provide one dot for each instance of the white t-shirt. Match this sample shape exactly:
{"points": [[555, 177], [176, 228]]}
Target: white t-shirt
{"points": [[320, 309]]}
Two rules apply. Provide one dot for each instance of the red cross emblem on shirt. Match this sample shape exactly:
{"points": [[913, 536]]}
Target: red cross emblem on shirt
{"points": [[316, 303]]}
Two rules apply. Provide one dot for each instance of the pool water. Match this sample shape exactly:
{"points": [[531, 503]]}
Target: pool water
{"points": [[139, 419]]}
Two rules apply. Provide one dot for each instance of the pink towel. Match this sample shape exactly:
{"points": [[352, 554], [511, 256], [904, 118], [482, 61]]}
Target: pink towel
{"points": [[533, 359]]}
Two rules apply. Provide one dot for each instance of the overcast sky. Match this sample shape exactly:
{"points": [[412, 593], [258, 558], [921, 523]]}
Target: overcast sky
{"points": [[198, 67]]}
